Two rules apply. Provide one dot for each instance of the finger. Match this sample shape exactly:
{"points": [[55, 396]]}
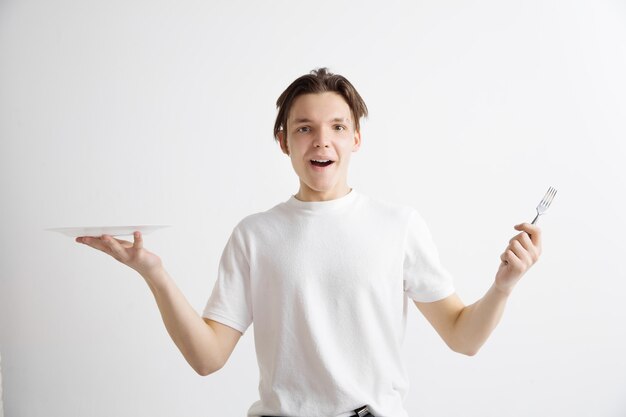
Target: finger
{"points": [[512, 260], [525, 241], [519, 236], [532, 242], [503, 258], [117, 250], [94, 242], [521, 253], [533, 250], [125, 243], [138, 240], [533, 230], [509, 256]]}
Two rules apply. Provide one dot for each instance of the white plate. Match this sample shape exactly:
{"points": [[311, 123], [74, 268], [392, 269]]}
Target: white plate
{"points": [[106, 230]]}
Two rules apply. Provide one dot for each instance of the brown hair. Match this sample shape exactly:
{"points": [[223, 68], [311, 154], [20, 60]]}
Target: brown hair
{"points": [[320, 80]]}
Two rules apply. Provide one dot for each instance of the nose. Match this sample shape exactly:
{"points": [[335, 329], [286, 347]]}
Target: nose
{"points": [[322, 139]]}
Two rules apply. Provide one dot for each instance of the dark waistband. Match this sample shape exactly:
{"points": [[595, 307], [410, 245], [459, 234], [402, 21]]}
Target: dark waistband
{"points": [[359, 412]]}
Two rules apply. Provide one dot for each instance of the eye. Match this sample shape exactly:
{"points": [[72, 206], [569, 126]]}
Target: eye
{"points": [[303, 129], [340, 127]]}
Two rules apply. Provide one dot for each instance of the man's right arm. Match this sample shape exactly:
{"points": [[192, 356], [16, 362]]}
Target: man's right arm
{"points": [[205, 344]]}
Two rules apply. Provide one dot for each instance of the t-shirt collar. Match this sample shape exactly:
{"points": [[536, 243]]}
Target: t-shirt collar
{"points": [[323, 206]]}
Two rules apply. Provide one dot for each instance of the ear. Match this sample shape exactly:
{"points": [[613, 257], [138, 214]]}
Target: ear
{"points": [[357, 141], [282, 140]]}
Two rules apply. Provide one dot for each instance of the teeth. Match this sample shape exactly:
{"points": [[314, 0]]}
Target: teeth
{"points": [[320, 160]]}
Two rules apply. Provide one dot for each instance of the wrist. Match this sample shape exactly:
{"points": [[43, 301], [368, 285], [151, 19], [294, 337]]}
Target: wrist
{"points": [[503, 291], [157, 278]]}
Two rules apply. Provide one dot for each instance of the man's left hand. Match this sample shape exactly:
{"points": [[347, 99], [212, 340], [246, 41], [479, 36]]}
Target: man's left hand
{"points": [[522, 252]]}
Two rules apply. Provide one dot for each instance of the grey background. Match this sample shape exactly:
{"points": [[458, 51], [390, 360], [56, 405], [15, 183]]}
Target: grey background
{"points": [[127, 112]]}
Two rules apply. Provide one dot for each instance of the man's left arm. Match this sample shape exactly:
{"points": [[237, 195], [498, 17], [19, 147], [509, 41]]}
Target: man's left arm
{"points": [[466, 328]]}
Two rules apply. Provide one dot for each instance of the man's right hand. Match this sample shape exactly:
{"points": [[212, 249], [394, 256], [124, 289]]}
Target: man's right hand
{"points": [[131, 254]]}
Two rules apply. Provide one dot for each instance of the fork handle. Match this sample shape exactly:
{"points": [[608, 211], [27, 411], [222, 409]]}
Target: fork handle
{"points": [[535, 219]]}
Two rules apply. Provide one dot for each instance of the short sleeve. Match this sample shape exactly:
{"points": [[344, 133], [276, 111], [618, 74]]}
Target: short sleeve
{"points": [[425, 279], [230, 301]]}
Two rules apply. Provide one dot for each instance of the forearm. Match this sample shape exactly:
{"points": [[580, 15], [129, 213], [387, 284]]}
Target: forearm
{"points": [[477, 321], [466, 328], [194, 338]]}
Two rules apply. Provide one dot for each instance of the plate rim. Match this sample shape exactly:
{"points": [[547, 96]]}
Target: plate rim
{"points": [[127, 229]]}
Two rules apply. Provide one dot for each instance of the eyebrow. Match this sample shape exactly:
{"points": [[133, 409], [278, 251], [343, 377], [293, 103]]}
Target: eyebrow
{"points": [[336, 119]]}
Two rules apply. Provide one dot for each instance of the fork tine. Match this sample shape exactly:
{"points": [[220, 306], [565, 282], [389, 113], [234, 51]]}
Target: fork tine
{"points": [[545, 197], [545, 203], [549, 197], [552, 194]]}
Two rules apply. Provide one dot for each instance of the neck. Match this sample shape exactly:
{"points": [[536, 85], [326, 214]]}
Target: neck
{"points": [[312, 195]]}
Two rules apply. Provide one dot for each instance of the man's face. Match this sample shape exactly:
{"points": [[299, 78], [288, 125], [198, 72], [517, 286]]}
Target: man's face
{"points": [[320, 140]]}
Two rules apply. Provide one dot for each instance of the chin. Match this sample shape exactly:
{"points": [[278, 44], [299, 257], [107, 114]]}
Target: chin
{"points": [[318, 188]]}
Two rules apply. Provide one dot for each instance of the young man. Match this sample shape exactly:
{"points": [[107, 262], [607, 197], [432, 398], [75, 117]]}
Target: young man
{"points": [[326, 277]]}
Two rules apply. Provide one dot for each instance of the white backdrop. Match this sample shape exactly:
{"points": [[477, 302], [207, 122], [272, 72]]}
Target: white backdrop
{"points": [[126, 112]]}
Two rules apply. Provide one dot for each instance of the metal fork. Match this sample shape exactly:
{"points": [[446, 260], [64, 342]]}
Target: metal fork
{"points": [[545, 203]]}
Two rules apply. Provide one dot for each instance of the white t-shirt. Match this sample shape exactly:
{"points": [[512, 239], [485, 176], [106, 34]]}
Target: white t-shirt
{"points": [[327, 286]]}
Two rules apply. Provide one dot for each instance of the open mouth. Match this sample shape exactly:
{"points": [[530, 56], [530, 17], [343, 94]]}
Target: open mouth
{"points": [[321, 163]]}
